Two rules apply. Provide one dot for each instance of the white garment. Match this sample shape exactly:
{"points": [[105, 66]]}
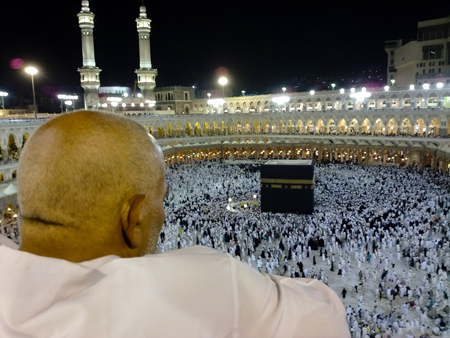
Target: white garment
{"points": [[193, 292]]}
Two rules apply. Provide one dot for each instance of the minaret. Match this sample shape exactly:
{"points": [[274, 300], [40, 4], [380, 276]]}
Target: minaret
{"points": [[146, 74], [89, 73]]}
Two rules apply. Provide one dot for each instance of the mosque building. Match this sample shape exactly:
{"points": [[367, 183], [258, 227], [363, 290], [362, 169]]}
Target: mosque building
{"points": [[405, 124]]}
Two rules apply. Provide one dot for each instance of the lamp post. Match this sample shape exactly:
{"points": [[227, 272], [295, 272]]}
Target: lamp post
{"points": [[209, 98], [392, 81], [283, 89], [223, 81], [33, 71], [333, 85], [3, 94]]}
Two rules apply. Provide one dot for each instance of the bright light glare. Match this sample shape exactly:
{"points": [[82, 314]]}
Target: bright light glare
{"points": [[440, 85], [114, 104], [112, 99], [216, 102], [386, 88], [352, 90], [68, 103], [31, 70], [223, 81], [67, 97], [312, 92], [139, 95], [3, 94], [281, 99], [125, 94], [426, 86], [411, 87], [342, 91], [360, 96]]}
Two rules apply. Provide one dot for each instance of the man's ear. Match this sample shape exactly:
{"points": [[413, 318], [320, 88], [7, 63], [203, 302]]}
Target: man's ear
{"points": [[130, 217]]}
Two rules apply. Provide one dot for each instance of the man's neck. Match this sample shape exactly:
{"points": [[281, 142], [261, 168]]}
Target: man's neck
{"points": [[63, 244]]}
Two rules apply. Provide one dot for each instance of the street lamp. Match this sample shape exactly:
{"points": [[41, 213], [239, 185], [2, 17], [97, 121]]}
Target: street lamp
{"points": [[3, 94], [283, 89], [223, 81], [243, 93], [392, 81], [333, 85], [33, 71]]}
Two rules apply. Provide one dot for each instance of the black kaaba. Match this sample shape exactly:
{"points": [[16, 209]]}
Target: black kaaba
{"points": [[287, 186]]}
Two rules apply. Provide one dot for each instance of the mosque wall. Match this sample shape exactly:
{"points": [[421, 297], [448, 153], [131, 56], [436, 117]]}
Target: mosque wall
{"points": [[422, 134]]}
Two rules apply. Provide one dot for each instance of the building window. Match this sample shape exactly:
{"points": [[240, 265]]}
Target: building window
{"points": [[186, 96], [96, 77], [82, 77]]}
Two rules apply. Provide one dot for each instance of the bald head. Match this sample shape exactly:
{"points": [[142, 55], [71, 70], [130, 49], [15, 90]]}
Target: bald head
{"points": [[77, 171]]}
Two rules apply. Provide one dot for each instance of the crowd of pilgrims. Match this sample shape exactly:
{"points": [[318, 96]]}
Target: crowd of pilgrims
{"points": [[378, 234]]}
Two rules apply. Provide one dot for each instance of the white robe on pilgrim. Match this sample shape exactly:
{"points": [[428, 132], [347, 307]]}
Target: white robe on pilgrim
{"points": [[193, 292]]}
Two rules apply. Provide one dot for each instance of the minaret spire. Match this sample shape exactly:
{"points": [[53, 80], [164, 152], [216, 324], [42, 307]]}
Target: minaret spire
{"points": [[146, 74], [89, 72]]}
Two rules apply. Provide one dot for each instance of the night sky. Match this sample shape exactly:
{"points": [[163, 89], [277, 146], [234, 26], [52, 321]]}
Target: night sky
{"points": [[263, 45]]}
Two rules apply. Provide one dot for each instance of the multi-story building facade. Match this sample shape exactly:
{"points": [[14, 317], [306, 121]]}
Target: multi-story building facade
{"points": [[176, 98], [425, 60]]}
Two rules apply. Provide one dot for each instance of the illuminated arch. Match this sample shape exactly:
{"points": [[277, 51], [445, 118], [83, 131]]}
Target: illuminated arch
{"points": [[420, 128], [179, 130], [188, 129], [392, 127], [406, 128], [366, 128], [256, 127], [169, 130], [320, 127], [331, 127], [197, 129], [353, 128], [342, 127], [161, 132], [13, 151], [206, 129]]}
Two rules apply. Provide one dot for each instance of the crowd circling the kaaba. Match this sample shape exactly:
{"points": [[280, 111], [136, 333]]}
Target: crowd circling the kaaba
{"points": [[379, 237]]}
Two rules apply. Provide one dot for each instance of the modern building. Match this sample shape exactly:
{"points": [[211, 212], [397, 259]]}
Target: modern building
{"points": [[425, 60]]}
